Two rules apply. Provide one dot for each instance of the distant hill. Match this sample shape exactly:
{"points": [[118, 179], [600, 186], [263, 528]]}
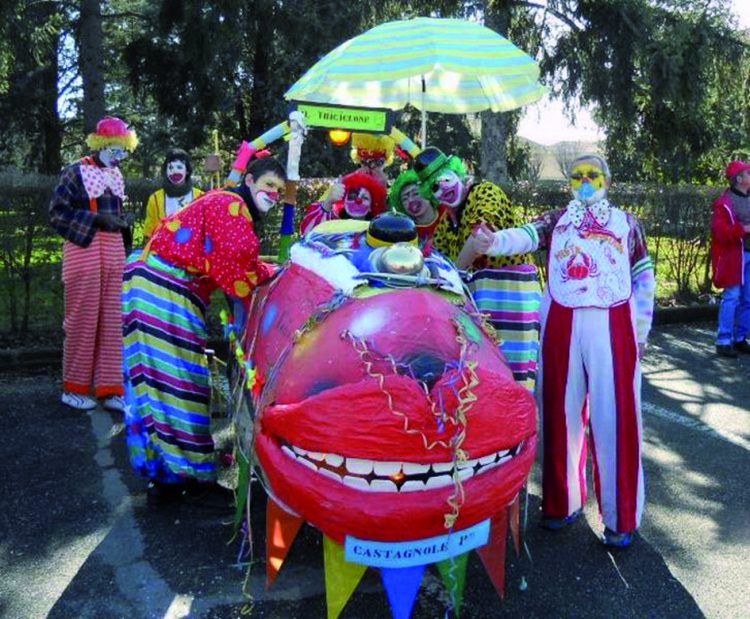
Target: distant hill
{"points": [[551, 155]]}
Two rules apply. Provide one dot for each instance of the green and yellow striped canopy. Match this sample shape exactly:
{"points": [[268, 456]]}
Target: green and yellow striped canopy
{"points": [[464, 67]]}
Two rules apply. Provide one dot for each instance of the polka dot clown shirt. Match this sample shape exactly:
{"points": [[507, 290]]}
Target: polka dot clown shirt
{"points": [[214, 238]]}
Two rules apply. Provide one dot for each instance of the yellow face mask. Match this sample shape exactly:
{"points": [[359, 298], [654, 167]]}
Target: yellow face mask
{"points": [[587, 180]]}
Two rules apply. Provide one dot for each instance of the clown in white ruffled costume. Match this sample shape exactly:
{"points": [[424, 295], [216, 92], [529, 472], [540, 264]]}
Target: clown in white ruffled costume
{"points": [[87, 211], [596, 316]]}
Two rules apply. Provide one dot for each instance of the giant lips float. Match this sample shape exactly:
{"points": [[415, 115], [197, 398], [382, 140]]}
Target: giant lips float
{"points": [[379, 406]]}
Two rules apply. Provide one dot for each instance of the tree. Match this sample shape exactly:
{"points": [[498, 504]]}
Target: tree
{"points": [[666, 81]]}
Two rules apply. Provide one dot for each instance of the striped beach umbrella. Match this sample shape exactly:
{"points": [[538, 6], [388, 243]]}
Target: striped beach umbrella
{"points": [[436, 65]]}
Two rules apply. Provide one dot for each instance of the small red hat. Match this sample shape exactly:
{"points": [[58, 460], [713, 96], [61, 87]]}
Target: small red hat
{"points": [[735, 167], [112, 130]]}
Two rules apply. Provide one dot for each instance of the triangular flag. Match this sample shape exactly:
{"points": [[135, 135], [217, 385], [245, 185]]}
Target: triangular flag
{"points": [[281, 529], [342, 577], [453, 572], [515, 516], [493, 553], [401, 586]]}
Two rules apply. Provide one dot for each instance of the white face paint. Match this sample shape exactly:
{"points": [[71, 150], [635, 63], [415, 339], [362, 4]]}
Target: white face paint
{"points": [[266, 191], [358, 202], [448, 189], [177, 172], [111, 156]]}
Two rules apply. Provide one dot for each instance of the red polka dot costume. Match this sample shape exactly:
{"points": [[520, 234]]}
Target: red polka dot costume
{"points": [[214, 237]]}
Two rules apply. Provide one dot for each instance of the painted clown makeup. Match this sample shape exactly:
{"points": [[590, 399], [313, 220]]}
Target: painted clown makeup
{"points": [[448, 189], [266, 191], [358, 202], [176, 172], [111, 156], [588, 182], [413, 202]]}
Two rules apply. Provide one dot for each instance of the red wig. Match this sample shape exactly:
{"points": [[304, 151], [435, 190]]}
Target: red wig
{"points": [[377, 191]]}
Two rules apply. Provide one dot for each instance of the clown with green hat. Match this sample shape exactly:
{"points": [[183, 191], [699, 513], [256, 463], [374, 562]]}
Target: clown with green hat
{"points": [[504, 288]]}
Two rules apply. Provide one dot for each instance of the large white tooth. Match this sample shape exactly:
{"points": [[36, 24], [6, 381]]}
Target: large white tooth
{"points": [[386, 469], [442, 467], [412, 468], [334, 459], [465, 473], [299, 450], [307, 463], [502, 453], [469, 464], [487, 459], [356, 482], [383, 485], [316, 455], [491, 465], [331, 474], [439, 481], [359, 466], [288, 452], [412, 486]]}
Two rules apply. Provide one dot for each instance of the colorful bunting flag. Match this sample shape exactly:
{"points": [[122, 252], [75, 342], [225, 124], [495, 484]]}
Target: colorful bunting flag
{"points": [[453, 573], [493, 554], [342, 577], [401, 586], [281, 529]]}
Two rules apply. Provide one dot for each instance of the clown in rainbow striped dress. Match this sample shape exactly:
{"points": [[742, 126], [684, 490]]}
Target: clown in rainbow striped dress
{"points": [[211, 243]]}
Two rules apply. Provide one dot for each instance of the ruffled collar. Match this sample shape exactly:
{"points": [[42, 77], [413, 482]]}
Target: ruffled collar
{"points": [[600, 211]]}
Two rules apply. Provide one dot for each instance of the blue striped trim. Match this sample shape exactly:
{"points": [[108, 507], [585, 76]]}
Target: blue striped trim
{"points": [[145, 401], [137, 295], [140, 348]]}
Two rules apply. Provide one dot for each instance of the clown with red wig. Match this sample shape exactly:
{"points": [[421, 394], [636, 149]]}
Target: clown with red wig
{"points": [[357, 196]]}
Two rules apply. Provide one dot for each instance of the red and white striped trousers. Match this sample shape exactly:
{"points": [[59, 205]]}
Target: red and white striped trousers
{"points": [[92, 353], [591, 355]]}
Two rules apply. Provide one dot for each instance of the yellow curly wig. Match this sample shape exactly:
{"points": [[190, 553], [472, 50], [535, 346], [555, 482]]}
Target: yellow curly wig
{"points": [[371, 145], [110, 131]]}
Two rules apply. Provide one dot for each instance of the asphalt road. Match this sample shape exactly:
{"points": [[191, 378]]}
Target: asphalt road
{"points": [[77, 539]]}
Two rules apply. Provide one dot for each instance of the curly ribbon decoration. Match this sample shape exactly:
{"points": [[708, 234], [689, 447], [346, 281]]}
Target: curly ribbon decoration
{"points": [[465, 397]]}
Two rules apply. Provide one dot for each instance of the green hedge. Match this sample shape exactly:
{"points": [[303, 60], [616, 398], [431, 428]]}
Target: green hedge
{"points": [[676, 220]]}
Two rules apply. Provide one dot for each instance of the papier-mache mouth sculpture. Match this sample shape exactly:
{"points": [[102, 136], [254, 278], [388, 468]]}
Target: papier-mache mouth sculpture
{"points": [[384, 413]]}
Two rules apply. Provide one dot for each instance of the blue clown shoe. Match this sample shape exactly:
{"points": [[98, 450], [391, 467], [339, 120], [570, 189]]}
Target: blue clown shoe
{"points": [[617, 540], [555, 524]]}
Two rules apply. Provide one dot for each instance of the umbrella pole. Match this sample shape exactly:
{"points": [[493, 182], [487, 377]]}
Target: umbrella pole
{"points": [[424, 116]]}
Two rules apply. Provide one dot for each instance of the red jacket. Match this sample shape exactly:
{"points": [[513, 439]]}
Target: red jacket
{"points": [[727, 235]]}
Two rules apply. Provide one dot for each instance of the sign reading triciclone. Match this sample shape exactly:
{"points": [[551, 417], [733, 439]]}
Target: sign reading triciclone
{"points": [[350, 118]]}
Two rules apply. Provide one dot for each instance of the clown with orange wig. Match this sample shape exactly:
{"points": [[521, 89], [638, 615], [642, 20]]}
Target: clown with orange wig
{"points": [[87, 211]]}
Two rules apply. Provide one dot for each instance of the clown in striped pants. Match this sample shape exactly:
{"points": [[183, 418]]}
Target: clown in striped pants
{"points": [[591, 380], [92, 355]]}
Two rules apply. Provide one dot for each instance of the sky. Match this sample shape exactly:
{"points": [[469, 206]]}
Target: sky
{"points": [[544, 122]]}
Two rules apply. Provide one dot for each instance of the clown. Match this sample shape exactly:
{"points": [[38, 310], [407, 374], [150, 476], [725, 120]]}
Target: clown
{"points": [[373, 153], [405, 197], [597, 315], [177, 190], [362, 197], [87, 211], [211, 243], [506, 289]]}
